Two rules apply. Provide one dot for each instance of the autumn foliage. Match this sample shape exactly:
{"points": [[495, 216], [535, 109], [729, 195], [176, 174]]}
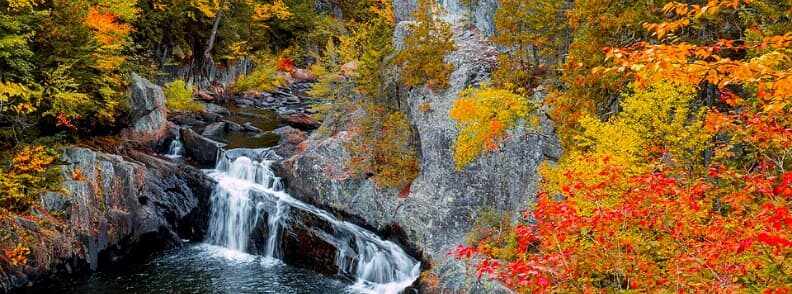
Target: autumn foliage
{"points": [[29, 175], [483, 116], [685, 188]]}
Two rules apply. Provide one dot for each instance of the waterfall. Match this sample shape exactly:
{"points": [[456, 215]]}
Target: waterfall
{"points": [[248, 189], [176, 148]]}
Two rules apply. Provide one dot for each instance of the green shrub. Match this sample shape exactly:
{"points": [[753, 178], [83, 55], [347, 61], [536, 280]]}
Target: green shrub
{"points": [[264, 77], [178, 97]]}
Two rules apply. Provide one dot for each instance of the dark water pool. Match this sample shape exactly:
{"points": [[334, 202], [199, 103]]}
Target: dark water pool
{"points": [[264, 119], [203, 269]]}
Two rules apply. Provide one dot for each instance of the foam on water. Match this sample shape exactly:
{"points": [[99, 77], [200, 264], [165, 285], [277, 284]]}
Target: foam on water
{"points": [[378, 266]]}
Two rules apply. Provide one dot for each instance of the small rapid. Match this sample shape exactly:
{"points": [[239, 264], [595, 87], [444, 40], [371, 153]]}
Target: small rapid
{"points": [[249, 195], [176, 148]]}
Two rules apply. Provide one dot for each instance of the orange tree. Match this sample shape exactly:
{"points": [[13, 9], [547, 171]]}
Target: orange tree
{"points": [[674, 192]]}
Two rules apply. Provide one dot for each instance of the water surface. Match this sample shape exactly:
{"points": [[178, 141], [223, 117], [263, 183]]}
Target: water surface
{"points": [[203, 268]]}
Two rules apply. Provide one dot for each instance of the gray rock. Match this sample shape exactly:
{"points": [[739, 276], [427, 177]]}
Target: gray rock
{"points": [[290, 139], [217, 109], [117, 207], [292, 99], [214, 131], [244, 102], [443, 202], [200, 148], [233, 126], [56, 203], [148, 113], [251, 128]]}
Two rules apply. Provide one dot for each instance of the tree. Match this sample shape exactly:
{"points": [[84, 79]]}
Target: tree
{"points": [[673, 191], [422, 60]]}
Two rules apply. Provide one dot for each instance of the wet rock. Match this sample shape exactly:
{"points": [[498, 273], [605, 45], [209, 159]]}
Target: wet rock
{"points": [[216, 109], [215, 131], [302, 247], [233, 126], [292, 99], [301, 121], [208, 117], [251, 128], [200, 148], [188, 119], [244, 102], [117, 208], [148, 114]]}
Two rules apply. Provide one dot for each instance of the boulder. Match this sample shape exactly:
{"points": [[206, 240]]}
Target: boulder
{"points": [[301, 121], [215, 131], [290, 140], [200, 148], [217, 109], [148, 114], [233, 126]]}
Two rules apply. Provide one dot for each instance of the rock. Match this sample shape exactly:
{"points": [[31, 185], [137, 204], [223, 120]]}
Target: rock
{"points": [[251, 128], [117, 208], [348, 69], [441, 205], [215, 131], [292, 99], [188, 119], [290, 139], [217, 109], [208, 117], [204, 95], [402, 9], [303, 75], [56, 204], [233, 126], [301, 121], [200, 148], [244, 102], [148, 114]]}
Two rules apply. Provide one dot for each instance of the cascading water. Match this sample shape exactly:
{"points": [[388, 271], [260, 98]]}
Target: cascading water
{"points": [[176, 148], [247, 189]]}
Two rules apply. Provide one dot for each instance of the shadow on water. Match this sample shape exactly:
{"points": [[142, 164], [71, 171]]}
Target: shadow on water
{"points": [[266, 120], [202, 268]]}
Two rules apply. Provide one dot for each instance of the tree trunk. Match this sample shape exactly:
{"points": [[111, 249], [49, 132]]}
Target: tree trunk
{"points": [[213, 35]]}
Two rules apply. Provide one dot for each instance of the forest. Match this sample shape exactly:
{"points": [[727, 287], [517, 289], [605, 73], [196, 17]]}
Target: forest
{"points": [[673, 120]]}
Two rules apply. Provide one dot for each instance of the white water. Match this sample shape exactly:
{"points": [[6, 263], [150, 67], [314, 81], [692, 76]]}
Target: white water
{"points": [[378, 266], [176, 149]]}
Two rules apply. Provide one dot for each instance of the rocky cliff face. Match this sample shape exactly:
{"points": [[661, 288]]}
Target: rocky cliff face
{"points": [[443, 203], [112, 206]]}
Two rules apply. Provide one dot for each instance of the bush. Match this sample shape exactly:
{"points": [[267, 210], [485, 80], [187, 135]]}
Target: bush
{"points": [[265, 77], [383, 148], [178, 97], [29, 174], [483, 116]]}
